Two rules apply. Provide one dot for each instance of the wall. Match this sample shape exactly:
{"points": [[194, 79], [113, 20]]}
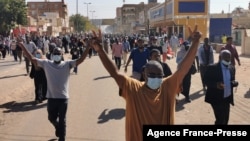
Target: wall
{"points": [[245, 48], [190, 13], [218, 27]]}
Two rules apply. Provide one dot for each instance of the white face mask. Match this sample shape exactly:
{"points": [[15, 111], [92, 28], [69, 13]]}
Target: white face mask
{"points": [[56, 58], [225, 63], [154, 83]]}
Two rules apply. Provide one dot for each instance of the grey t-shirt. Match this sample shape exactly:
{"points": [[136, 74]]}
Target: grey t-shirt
{"points": [[31, 47], [57, 77]]}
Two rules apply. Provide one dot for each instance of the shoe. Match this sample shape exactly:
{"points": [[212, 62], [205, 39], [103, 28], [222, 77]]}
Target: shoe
{"points": [[188, 100], [57, 132], [61, 139]]}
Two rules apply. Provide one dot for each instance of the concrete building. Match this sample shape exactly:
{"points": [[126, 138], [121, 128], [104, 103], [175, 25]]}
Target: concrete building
{"points": [[53, 15], [132, 18], [174, 16]]}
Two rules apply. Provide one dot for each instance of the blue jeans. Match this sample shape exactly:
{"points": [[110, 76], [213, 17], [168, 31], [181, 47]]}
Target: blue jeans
{"points": [[57, 109]]}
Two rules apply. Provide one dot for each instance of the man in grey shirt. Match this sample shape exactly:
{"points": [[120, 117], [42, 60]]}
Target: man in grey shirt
{"points": [[32, 48], [57, 73]]}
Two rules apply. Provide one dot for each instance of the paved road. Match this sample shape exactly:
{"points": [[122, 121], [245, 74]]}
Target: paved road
{"points": [[96, 112]]}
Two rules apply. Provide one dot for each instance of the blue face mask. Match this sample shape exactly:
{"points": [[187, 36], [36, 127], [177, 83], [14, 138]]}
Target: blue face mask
{"points": [[154, 83], [57, 58], [38, 56]]}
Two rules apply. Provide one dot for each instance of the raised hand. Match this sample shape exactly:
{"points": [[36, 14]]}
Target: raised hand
{"points": [[96, 40], [195, 34]]}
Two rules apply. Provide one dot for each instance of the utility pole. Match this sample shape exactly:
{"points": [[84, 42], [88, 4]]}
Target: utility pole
{"points": [[87, 3], [92, 16], [76, 15]]}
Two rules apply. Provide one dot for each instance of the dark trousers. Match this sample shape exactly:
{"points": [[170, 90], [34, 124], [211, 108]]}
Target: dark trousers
{"points": [[14, 53], [20, 55], [118, 62], [27, 64], [186, 83], [57, 109], [202, 73], [90, 52], [66, 50], [40, 89], [3, 53], [221, 112]]}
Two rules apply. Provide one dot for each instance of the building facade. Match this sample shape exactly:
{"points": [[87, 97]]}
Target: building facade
{"points": [[132, 18], [52, 14], [175, 16]]}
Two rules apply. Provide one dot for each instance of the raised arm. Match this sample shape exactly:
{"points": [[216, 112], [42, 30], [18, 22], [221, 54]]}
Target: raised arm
{"points": [[106, 61], [190, 56], [126, 65]]}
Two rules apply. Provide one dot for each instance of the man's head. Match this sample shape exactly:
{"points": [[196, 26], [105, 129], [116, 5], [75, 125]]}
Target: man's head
{"points": [[140, 43], [186, 45], [57, 55], [229, 40], [126, 38], [28, 39], [206, 41], [155, 55], [52, 46], [154, 41], [225, 57], [39, 54], [153, 73]]}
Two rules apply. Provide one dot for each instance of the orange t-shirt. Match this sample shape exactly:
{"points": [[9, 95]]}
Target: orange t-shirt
{"points": [[144, 106]]}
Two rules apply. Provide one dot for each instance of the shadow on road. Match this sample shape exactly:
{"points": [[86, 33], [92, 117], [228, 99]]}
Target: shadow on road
{"points": [[180, 104], [13, 106], [103, 77], [106, 115], [52, 140], [24, 137], [7, 65], [6, 62], [10, 76], [247, 94]]}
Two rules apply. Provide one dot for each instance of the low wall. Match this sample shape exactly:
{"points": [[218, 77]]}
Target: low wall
{"points": [[245, 50], [217, 47]]}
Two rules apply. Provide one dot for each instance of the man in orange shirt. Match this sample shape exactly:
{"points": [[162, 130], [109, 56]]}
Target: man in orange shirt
{"points": [[152, 101]]}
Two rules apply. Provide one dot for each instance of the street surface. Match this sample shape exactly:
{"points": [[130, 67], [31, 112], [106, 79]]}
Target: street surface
{"points": [[95, 110]]}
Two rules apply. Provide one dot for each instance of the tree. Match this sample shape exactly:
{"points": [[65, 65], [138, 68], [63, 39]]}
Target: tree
{"points": [[81, 23], [13, 13]]}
